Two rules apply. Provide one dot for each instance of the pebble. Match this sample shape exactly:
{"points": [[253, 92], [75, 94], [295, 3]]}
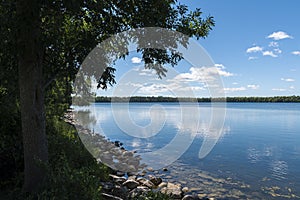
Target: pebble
{"points": [[110, 197], [163, 184], [155, 180], [185, 189], [120, 173], [188, 197], [150, 169], [130, 184]]}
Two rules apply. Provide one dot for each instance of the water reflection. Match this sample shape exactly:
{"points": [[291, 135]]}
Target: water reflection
{"points": [[150, 124]]}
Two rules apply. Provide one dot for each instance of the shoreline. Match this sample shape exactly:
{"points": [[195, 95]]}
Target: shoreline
{"points": [[130, 183]]}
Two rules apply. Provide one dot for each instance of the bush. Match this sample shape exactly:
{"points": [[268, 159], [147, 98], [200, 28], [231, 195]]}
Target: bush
{"points": [[72, 173]]}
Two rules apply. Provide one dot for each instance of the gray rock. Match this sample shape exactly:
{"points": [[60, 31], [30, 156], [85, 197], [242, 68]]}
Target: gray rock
{"points": [[107, 186], [150, 169], [138, 191], [131, 184], [110, 197], [176, 194], [120, 173], [132, 173], [155, 180], [162, 185], [132, 178], [189, 197], [120, 191], [145, 182], [174, 190], [185, 189], [117, 179]]}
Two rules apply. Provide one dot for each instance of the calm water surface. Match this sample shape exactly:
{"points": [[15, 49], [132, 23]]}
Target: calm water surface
{"points": [[257, 157]]}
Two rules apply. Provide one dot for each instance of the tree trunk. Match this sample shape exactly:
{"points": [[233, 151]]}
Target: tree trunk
{"points": [[31, 93]]}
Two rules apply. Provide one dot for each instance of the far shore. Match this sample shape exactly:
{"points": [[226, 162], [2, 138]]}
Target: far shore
{"points": [[145, 99]]}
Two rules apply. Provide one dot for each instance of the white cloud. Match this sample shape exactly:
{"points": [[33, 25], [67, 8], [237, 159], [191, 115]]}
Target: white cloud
{"points": [[292, 87], [197, 88], [136, 60], [221, 66], [144, 72], [235, 89], [279, 35], [288, 79], [252, 58], [154, 89], [297, 53], [254, 49], [253, 87], [278, 51], [279, 89], [202, 74], [235, 83], [136, 85], [269, 53], [273, 44]]}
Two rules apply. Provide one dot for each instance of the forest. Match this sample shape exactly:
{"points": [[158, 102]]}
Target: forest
{"points": [[275, 99]]}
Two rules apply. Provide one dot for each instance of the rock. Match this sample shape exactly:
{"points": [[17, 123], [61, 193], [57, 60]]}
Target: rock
{"points": [[162, 185], [177, 194], [145, 182], [202, 196], [131, 168], [142, 174], [118, 143], [150, 169], [132, 173], [119, 191], [117, 179], [131, 184], [120, 173], [185, 189], [155, 180], [140, 179], [127, 154], [135, 163], [107, 186], [138, 191], [189, 197], [110, 197], [165, 169], [174, 190], [132, 178]]}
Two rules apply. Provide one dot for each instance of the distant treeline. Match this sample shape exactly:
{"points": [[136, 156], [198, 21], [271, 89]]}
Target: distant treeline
{"points": [[286, 99]]}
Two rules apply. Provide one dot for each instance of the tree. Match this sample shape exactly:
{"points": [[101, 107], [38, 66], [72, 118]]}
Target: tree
{"points": [[55, 36], [30, 56]]}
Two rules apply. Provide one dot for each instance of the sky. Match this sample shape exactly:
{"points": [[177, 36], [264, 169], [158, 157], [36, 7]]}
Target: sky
{"points": [[255, 47]]}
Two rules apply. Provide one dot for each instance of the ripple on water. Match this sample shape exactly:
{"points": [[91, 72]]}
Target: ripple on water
{"points": [[279, 169]]}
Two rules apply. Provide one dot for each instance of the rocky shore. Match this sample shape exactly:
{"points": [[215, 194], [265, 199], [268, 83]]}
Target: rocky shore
{"points": [[134, 179], [129, 187]]}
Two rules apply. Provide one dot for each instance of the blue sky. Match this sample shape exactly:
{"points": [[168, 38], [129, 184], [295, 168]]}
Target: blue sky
{"points": [[255, 46]]}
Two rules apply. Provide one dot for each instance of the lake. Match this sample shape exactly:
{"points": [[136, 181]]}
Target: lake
{"points": [[257, 155]]}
